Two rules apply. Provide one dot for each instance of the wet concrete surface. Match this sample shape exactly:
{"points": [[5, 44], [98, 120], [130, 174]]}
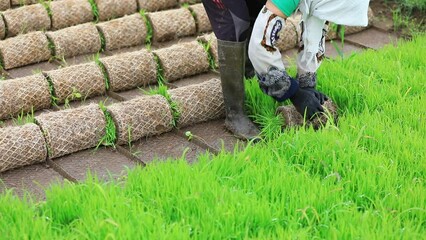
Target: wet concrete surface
{"points": [[372, 38], [32, 69], [102, 162], [30, 179], [337, 50]]}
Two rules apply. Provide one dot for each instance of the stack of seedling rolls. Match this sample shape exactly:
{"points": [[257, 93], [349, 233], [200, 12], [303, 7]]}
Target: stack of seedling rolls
{"points": [[157, 5], [172, 24], [67, 13]]}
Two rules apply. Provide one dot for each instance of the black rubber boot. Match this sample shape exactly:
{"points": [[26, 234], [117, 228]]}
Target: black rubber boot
{"points": [[231, 61]]}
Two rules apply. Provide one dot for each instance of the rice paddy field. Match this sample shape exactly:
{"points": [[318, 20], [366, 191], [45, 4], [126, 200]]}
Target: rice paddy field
{"points": [[361, 178]]}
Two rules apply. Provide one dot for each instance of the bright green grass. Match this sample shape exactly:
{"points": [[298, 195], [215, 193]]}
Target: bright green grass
{"points": [[364, 179]]}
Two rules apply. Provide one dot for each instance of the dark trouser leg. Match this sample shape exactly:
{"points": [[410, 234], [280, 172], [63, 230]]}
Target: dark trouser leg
{"points": [[231, 21]]}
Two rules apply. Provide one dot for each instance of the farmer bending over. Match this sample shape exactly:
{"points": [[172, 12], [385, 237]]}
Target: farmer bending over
{"points": [[267, 59]]}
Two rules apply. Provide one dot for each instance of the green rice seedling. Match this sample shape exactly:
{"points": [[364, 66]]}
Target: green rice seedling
{"points": [[24, 118], [163, 91], [75, 95], [46, 5], [53, 97], [150, 30], [207, 47], [95, 10], [110, 137], [103, 69], [103, 41], [160, 73]]}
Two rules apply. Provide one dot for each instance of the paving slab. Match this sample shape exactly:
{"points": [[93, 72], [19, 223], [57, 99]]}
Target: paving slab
{"points": [[135, 93], [373, 38], [195, 79], [31, 69], [215, 135], [163, 147], [347, 50], [104, 162], [31, 179]]}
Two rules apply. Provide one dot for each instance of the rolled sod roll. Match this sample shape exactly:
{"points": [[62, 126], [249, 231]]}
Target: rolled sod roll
{"points": [[172, 24], [67, 13], [152, 6], [123, 32], [199, 102], [288, 37], [141, 117], [85, 79], [109, 9], [23, 2], [2, 29], [292, 118], [211, 40], [72, 130], [130, 70], [23, 95], [183, 60], [26, 19], [21, 146], [4, 5], [76, 40], [202, 20], [25, 49]]}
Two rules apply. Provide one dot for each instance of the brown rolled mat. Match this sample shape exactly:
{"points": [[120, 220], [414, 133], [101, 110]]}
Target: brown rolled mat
{"points": [[23, 2], [123, 32], [24, 49], [4, 5], [189, 1], [85, 79], [183, 60], [292, 118], [203, 22], [76, 40], [109, 9], [352, 30], [72, 130], [152, 6], [23, 95], [141, 117], [2, 28], [199, 102], [172, 24], [26, 19], [211, 40], [67, 13], [288, 37], [130, 70], [21, 146]]}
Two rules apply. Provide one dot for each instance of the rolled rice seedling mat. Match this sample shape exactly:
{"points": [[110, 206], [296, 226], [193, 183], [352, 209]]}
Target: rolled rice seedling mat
{"points": [[72, 130], [26, 19], [21, 146], [212, 41], [199, 102], [189, 1], [4, 5], [23, 95], [292, 118], [85, 79], [2, 28], [109, 9], [288, 37], [152, 6], [172, 24], [23, 2], [203, 22], [130, 70], [141, 117], [76, 40], [123, 32], [25, 49], [183, 60], [67, 13]]}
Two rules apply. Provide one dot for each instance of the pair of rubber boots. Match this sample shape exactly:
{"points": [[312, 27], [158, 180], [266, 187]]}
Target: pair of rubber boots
{"points": [[232, 61]]}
